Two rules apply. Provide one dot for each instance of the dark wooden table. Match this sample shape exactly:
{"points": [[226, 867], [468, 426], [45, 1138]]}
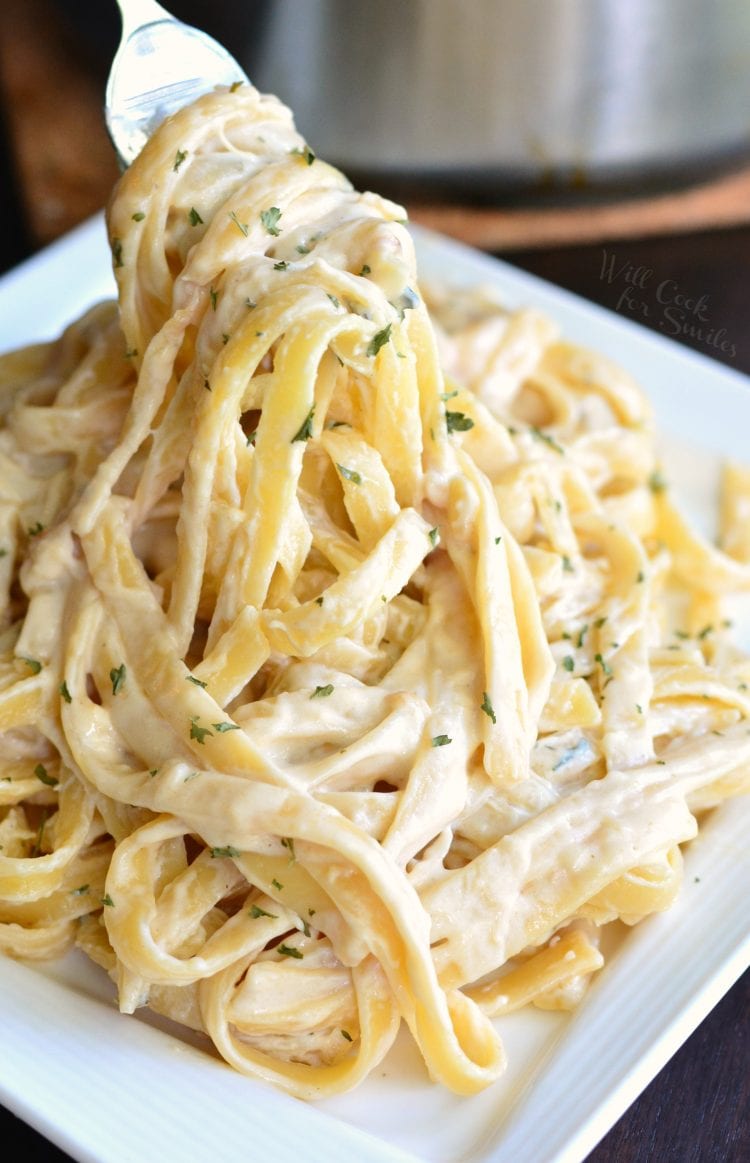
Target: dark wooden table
{"points": [[697, 1110]]}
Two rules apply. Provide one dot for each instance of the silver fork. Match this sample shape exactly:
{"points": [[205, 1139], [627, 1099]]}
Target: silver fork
{"points": [[161, 65]]}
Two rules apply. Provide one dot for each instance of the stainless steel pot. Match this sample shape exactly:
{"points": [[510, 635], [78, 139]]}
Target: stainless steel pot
{"points": [[486, 92]]}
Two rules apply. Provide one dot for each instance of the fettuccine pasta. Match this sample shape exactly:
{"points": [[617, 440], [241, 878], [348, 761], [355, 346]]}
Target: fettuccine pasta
{"points": [[356, 667]]}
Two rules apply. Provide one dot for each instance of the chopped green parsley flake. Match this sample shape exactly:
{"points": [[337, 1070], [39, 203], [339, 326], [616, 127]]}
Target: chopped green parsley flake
{"points": [[448, 395], [33, 664], [567, 564], [322, 692], [179, 158], [289, 951], [288, 843], [64, 692], [347, 1035], [213, 295], [277, 884], [458, 422], [582, 634], [656, 482], [280, 266], [379, 339], [117, 677], [365, 270], [305, 153], [117, 252], [486, 706], [333, 299], [241, 226], [40, 771], [606, 668], [302, 249], [226, 850], [349, 474], [441, 740], [196, 732], [108, 902], [704, 633], [35, 529], [550, 440], [80, 891], [194, 216], [319, 600], [434, 536], [270, 219], [305, 430], [138, 216], [35, 851], [223, 727], [581, 747], [195, 681], [569, 662], [256, 911]]}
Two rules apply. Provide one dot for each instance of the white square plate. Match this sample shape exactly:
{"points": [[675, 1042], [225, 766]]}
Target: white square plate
{"points": [[114, 1089]]}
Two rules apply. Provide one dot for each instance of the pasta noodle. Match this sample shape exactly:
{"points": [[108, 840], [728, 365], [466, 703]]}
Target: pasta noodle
{"points": [[356, 666]]}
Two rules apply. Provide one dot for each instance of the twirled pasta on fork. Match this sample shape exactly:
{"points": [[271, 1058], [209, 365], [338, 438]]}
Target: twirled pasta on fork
{"points": [[356, 666]]}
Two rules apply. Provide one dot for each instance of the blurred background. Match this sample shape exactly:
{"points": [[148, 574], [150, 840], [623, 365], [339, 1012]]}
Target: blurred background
{"points": [[578, 139]]}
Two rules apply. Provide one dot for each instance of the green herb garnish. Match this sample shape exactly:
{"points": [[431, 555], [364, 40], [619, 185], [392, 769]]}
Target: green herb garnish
{"points": [[550, 440], [379, 339], [241, 226], [270, 219], [305, 431], [349, 474], [487, 707], [289, 951], [305, 153], [40, 771], [606, 668], [256, 911], [458, 422], [196, 732]]}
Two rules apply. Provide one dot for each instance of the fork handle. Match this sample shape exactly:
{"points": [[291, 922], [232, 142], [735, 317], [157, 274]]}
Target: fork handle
{"points": [[137, 13]]}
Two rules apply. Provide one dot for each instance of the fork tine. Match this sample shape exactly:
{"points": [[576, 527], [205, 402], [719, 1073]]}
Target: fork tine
{"points": [[160, 66]]}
